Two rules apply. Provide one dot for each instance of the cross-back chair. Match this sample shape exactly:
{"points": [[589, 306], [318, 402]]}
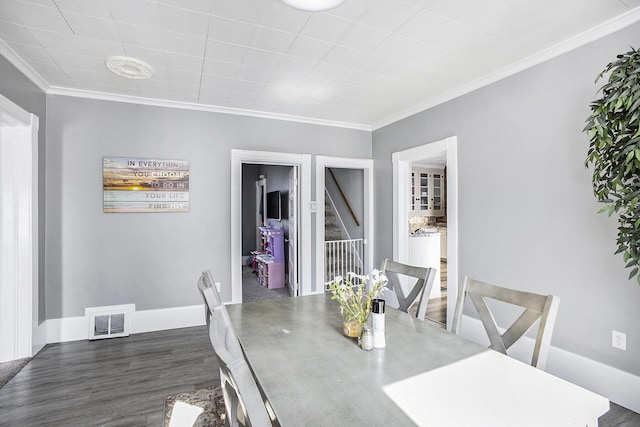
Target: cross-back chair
{"points": [[242, 397], [543, 307], [209, 293], [422, 287]]}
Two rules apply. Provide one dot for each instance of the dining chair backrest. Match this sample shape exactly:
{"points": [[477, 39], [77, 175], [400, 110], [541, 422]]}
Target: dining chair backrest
{"points": [[209, 293], [424, 276], [542, 307], [241, 393]]}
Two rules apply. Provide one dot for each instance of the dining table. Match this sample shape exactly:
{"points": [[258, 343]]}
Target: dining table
{"points": [[312, 375]]}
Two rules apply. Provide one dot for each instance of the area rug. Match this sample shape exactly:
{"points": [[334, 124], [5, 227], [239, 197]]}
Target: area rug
{"points": [[9, 369], [209, 399]]}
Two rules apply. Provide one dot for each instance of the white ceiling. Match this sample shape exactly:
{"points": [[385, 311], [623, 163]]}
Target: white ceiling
{"points": [[364, 64]]}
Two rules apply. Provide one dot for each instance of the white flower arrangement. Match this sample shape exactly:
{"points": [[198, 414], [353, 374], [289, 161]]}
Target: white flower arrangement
{"points": [[355, 293]]}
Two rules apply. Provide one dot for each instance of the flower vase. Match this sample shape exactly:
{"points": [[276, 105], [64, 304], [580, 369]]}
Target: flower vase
{"points": [[351, 329]]}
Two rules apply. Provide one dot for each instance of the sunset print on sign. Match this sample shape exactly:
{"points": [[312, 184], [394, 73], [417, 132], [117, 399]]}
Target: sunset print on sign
{"points": [[145, 185]]}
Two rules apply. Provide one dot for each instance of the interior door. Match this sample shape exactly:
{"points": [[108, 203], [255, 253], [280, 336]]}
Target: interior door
{"points": [[293, 232]]}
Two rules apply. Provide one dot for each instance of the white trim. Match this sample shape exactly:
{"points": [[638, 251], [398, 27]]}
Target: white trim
{"points": [[401, 182], [78, 93], [261, 196], [19, 244], [611, 26], [12, 115], [366, 165], [167, 318], [618, 386], [75, 328], [39, 339], [15, 60], [67, 329], [303, 161]]}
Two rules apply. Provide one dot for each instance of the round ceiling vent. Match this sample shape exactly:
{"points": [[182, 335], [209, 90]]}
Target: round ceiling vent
{"points": [[313, 5], [130, 68]]}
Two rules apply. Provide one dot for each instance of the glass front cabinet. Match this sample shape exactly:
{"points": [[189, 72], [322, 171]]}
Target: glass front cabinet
{"points": [[427, 192]]}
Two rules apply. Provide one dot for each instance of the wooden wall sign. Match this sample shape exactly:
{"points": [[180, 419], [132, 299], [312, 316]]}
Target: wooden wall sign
{"points": [[145, 185]]}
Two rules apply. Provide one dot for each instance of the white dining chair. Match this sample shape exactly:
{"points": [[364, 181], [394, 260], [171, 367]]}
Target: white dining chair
{"points": [[212, 301], [209, 293], [244, 404], [424, 277], [536, 307]]}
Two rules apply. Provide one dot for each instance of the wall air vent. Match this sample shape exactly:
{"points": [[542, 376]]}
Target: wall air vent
{"points": [[109, 322]]}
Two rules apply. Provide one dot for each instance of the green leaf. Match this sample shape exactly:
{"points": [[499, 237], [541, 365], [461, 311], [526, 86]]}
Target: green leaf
{"points": [[613, 130]]}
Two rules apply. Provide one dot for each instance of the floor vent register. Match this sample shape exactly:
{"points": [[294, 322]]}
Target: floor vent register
{"points": [[109, 322]]}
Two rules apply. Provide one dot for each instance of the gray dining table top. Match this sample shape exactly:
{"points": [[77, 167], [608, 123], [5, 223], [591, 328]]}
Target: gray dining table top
{"points": [[313, 375]]}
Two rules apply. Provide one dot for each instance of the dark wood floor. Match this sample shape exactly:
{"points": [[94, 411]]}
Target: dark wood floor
{"points": [[113, 382], [124, 381], [437, 307]]}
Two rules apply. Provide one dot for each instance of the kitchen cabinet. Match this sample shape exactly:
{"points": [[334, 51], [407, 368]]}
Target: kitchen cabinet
{"points": [[427, 192]]}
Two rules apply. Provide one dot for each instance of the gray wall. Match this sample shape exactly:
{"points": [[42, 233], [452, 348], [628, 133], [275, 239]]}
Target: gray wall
{"points": [[152, 259], [278, 180], [527, 215], [21, 91], [352, 183]]}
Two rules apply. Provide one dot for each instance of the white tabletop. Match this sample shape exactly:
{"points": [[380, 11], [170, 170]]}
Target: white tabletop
{"points": [[313, 375]]}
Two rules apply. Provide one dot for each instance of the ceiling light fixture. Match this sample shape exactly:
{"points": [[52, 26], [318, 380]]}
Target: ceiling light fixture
{"points": [[130, 68], [313, 5]]}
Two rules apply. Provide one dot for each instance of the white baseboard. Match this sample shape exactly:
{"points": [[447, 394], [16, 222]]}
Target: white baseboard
{"points": [[67, 329], [618, 386], [39, 338], [167, 318], [77, 328]]}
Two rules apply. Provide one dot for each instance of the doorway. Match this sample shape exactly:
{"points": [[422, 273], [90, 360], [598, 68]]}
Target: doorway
{"points": [[365, 260], [20, 332], [302, 163], [269, 231], [444, 149]]}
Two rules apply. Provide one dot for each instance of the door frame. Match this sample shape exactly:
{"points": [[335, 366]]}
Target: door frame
{"points": [[261, 196], [303, 162], [366, 165], [20, 335], [292, 264], [401, 192]]}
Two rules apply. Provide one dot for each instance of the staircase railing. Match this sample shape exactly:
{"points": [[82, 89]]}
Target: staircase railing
{"points": [[342, 256], [339, 257]]}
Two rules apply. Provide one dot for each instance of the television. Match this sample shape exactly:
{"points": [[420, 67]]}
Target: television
{"points": [[274, 210]]}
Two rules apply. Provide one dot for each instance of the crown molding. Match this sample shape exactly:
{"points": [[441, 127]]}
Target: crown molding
{"points": [[22, 66], [616, 24], [79, 93]]}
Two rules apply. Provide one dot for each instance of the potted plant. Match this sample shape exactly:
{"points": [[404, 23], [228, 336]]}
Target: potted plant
{"points": [[355, 293], [614, 152]]}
